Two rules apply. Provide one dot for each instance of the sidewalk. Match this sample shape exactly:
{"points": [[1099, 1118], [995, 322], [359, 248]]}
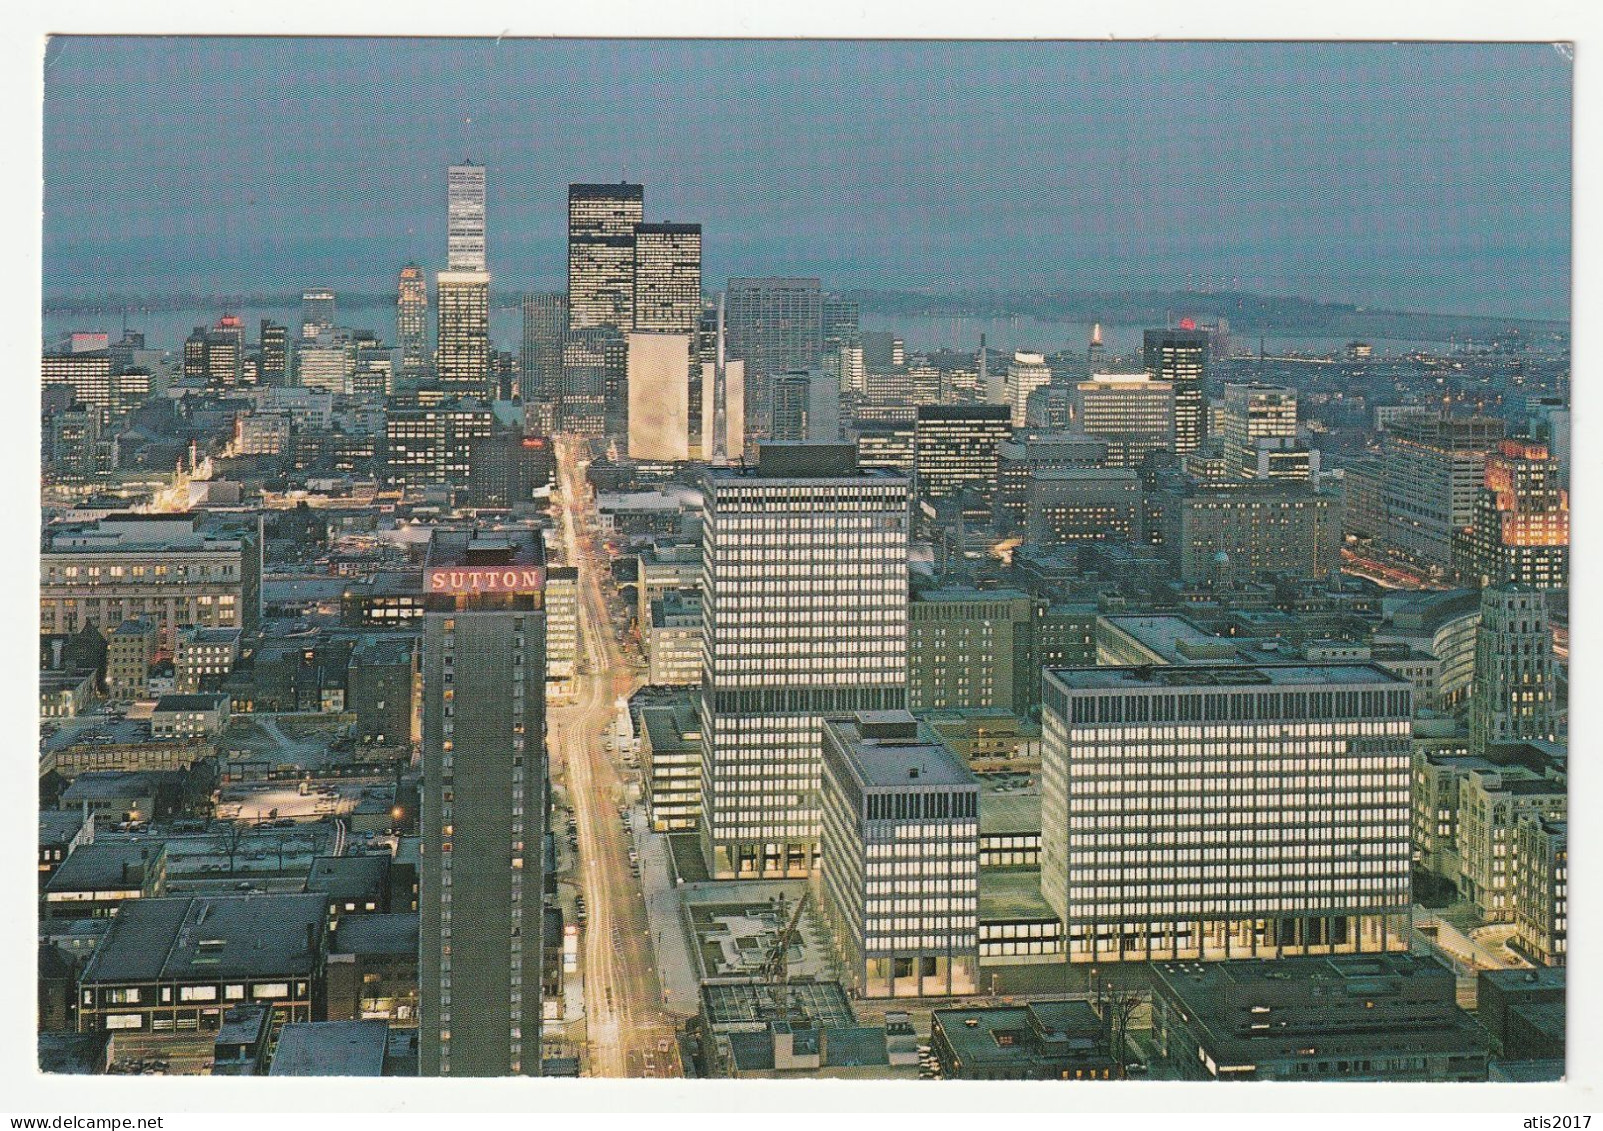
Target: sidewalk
{"points": [[677, 969]]}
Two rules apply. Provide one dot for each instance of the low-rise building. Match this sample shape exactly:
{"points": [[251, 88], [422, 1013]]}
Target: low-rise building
{"points": [[96, 880], [670, 758], [331, 1048], [65, 694], [354, 885], [372, 968], [1503, 996], [60, 832], [115, 796], [176, 964], [673, 640], [189, 716], [1044, 1040], [1371, 1017], [203, 654], [379, 688]]}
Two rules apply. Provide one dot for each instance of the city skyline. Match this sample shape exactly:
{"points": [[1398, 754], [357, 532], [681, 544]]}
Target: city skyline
{"points": [[1417, 194]]}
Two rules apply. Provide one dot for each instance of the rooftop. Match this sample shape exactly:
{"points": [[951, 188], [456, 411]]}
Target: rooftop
{"points": [[58, 826], [209, 938], [902, 754], [105, 866], [746, 1004], [1012, 895], [1014, 812], [1223, 675], [96, 785], [210, 702], [331, 1048], [1176, 639], [349, 877]]}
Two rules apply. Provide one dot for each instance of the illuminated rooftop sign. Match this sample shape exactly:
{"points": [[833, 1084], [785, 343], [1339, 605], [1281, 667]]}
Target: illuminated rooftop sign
{"points": [[484, 579]]}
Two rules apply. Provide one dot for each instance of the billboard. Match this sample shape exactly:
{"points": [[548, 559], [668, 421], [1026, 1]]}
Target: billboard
{"points": [[484, 579]]}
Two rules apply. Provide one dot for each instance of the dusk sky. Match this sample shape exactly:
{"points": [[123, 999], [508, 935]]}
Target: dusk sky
{"points": [[1422, 177]]}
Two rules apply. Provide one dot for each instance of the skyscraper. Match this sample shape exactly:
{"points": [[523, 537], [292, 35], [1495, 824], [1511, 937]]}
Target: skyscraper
{"points": [[1226, 812], [464, 194], [462, 359], [1433, 468], [484, 804], [667, 278], [411, 319], [775, 325], [1181, 357], [1520, 529], [273, 367], [601, 254], [804, 575], [1516, 678], [1134, 413], [545, 325]]}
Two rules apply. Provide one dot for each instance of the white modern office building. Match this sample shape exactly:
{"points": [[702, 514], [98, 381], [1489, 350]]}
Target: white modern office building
{"points": [[804, 578], [1228, 811], [900, 857]]}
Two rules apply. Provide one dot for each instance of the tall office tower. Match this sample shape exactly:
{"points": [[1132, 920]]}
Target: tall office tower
{"points": [[969, 649], [462, 356], [900, 857], [217, 355], [481, 889], [1026, 373], [883, 350], [845, 364], [804, 581], [1434, 466], [774, 325], [464, 205], [594, 369], [1259, 423], [667, 278], [273, 368], [1520, 531], [1550, 426], [1515, 694], [601, 254], [955, 449], [545, 325], [317, 313], [839, 322], [412, 319], [1181, 358], [1134, 413], [1226, 811], [1246, 531]]}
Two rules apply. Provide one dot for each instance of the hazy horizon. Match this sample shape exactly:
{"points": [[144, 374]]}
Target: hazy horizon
{"points": [[1418, 177]]}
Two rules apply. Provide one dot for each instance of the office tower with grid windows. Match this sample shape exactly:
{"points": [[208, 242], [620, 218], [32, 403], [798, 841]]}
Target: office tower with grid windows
{"points": [[601, 254], [1433, 467], [667, 278], [317, 313], [412, 319], [464, 207], [462, 358], [1259, 423], [774, 325], [1026, 373], [1180, 357], [1132, 412], [272, 367], [899, 872], [804, 576], [480, 889], [955, 448], [1226, 811]]}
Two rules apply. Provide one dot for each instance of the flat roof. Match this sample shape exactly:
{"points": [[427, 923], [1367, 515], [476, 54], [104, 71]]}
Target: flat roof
{"points": [[1137, 678], [100, 866], [1003, 813], [96, 784], [748, 1003], [349, 877], [331, 1048], [1011, 895], [211, 938], [58, 826], [975, 1034], [207, 702], [918, 761]]}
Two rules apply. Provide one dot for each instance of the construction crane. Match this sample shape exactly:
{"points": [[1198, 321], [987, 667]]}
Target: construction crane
{"points": [[775, 970]]}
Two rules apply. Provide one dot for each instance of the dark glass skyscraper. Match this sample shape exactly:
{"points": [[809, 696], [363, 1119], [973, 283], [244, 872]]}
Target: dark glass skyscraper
{"points": [[1181, 357], [601, 254]]}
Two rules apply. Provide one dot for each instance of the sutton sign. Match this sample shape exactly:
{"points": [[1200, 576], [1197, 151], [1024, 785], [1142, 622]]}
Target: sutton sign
{"points": [[484, 579]]}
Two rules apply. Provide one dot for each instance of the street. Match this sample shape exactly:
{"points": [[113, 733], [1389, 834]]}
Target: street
{"points": [[625, 1020]]}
